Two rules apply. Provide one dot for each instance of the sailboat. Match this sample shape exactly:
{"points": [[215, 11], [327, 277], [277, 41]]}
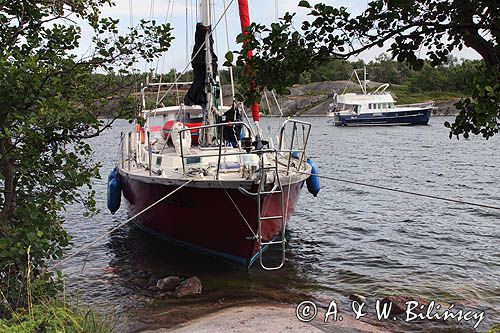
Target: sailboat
{"points": [[234, 190]]}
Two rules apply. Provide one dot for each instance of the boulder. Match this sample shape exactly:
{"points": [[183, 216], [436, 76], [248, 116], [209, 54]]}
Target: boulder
{"points": [[189, 287], [168, 283]]}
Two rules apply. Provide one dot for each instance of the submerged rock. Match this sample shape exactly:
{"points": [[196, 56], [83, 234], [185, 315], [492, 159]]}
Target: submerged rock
{"points": [[357, 298], [169, 283], [138, 282], [399, 302], [189, 287]]}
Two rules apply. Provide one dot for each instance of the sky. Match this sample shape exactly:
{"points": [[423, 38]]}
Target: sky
{"points": [[174, 11]]}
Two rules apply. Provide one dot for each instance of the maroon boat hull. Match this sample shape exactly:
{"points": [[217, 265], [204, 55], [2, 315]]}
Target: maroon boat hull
{"points": [[205, 219]]}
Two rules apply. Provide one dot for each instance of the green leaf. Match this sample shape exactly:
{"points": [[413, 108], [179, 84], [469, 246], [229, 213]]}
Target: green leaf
{"points": [[229, 56], [304, 4]]}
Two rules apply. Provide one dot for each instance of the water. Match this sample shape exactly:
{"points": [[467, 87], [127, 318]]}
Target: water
{"points": [[350, 239]]}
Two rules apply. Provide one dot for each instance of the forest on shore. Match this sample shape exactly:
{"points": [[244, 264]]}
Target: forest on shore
{"points": [[445, 83], [454, 76]]}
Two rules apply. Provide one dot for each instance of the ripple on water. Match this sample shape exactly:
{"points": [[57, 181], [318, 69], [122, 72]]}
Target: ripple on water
{"points": [[349, 239]]}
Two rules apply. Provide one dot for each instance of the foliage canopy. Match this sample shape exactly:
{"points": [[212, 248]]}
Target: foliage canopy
{"points": [[433, 29], [51, 102]]}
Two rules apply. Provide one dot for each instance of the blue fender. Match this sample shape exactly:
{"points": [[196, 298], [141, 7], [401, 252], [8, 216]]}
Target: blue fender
{"points": [[313, 185], [114, 191]]}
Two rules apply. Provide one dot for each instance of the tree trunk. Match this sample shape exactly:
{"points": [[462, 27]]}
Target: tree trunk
{"points": [[472, 36], [9, 173]]}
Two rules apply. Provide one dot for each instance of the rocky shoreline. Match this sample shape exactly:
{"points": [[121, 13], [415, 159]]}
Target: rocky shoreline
{"points": [[314, 99], [266, 318], [181, 304]]}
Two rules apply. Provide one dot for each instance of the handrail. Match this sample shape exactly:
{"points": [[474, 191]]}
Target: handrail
{"points": [[232, 123], [220, 154], [221, 125], [263, 151], [122, 135], [423, 104], [305, 142], [380, 89], [150, 153], [129, 149]]}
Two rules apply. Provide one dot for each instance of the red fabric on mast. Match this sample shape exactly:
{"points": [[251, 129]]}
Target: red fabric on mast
{"points": [[245, 23]]}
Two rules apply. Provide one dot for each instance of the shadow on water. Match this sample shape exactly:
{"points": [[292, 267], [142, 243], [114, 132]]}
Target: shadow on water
{"points": [[139, 259]]}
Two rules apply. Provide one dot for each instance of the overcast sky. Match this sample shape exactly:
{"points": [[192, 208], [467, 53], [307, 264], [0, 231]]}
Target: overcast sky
{"points": [[261, 11]]}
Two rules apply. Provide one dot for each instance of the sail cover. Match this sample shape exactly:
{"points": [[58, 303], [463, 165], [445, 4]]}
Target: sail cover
{"points": [[196, 94], [245, 23]]}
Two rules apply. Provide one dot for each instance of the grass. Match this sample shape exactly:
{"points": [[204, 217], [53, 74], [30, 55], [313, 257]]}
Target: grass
{"points": [[55, 316], [494, 329], [406, 96], [49, 314]]}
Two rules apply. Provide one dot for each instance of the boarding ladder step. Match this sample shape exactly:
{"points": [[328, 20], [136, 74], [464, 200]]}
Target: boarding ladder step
{"points": [[261, 194], [271, 217]]}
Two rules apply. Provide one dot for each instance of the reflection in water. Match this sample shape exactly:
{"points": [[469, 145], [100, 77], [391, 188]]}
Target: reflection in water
{"points": [[348, 240], [136, 253]]}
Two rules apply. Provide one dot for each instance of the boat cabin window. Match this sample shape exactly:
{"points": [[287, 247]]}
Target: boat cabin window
{"points": [[369, 106], [356, 108]]}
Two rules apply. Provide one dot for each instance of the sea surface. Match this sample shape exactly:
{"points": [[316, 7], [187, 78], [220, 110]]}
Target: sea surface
{"points": [[350, 239]]}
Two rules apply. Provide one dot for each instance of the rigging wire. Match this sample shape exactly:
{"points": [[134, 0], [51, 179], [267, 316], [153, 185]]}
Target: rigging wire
{"points": [[429, 196], [216, 42], [100, 238], [228, 49], [187, 32], [196, 53], [239, 211], [170, 6], [146, 69]]}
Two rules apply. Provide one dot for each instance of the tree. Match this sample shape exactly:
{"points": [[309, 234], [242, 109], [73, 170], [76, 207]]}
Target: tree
{"points": [[434, 28], [51, 101], [383, 69]]}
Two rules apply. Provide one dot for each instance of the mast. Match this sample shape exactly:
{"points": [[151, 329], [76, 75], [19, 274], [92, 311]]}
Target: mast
{"points": [[209, 136]]}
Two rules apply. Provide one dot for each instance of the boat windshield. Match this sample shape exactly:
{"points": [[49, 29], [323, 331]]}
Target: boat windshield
{"points": [[350, 107]]}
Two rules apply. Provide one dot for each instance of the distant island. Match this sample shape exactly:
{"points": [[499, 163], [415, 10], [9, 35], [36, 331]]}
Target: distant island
{"points": [[313, 91], [314, 99]]}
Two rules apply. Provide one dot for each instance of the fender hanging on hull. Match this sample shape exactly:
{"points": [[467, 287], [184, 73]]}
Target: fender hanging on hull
{"points": [[313, 185], [114, 191]]}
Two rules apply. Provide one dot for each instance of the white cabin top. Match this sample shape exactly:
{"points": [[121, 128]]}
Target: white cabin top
{"points": [[365, 103]]}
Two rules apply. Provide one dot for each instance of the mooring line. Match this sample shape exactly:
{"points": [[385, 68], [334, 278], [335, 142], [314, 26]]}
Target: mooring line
{"points": [[119, 226], [403, 191]]}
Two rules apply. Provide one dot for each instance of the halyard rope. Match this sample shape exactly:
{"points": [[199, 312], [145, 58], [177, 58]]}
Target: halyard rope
{"points": [[403, 191]]}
